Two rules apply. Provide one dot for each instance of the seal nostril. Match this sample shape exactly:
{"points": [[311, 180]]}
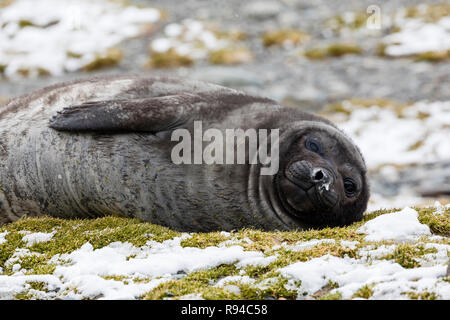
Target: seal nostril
{"points": [[318, 176]]}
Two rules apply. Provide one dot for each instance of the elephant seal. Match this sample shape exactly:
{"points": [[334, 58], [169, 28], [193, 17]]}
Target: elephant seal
{"points": [[103, 146]]}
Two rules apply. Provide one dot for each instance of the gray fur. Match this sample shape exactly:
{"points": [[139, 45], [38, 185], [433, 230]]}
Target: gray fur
{"points": [[102, 146]]}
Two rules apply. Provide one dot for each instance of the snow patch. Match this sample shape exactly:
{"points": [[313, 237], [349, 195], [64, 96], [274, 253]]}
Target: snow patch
{"points": [[303, 245], [389, 280], [3, 237], [398, 226], [60, 36], [418, 37], [121, 270], [412, 138], [37, 237]]}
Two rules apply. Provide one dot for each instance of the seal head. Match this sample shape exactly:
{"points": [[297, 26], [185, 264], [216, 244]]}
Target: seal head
{"points": [[322, 177]]}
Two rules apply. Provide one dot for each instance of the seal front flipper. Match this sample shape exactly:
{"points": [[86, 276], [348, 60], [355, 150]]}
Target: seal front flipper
{"points": [[128, 115]]}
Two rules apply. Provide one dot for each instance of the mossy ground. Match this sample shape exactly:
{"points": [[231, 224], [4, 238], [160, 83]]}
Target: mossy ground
{"points": [[230, 56], [111, 57], [333, 50], [70, 235], [284, 37], [347, 106], [168, 59], [427, 13], [348, 20]]}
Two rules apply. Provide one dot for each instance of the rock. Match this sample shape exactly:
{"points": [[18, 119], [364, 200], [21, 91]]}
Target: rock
{"points": [[306, 97], [261, 10], [338, 90], [288, 19], [228, 76]]}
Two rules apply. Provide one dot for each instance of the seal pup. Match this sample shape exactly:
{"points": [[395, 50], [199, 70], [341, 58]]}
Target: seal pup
{"points": [[103, 146]]}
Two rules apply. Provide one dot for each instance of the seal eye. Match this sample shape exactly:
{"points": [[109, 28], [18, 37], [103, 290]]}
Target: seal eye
{"points": [[350, 187], [313, 145]]}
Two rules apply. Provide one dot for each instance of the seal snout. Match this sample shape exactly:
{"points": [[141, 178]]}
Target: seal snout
{"points": [[299, 173], [322, 178], [316, 181], [303, 174]]}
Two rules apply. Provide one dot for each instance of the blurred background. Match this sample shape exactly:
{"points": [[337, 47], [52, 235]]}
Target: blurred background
{"points": [[380, 70]]}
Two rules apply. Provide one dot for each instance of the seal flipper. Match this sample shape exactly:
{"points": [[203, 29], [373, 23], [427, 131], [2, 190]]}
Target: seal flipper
{"points": [[129, 115]]}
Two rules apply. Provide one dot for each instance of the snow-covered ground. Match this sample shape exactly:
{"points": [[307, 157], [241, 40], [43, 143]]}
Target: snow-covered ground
{"points": [[417, 35], [122, 270], [418, 133], [52, 36], [189, 38], [393, 136]]}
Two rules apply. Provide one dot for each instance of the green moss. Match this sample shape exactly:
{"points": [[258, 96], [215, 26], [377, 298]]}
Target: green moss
{"points": [[406, 255], [347, 106], [203, 240], [416, 145], [34, 285], [70, 235], [316, 53], [13, 241], [74, 55], [381, 49], [27, 72], [38, 285], [429, 13], [340, 49], [433, 56], [332, 296], [364, 292], [232, 35], [355, 20], [111, 57], [23, 72], [25, 295], [28, 23], [439, 224], [285, 36], [421, 296], [195, 283], [277, 290], [230, 56], [168, 59], [333, 50], [42, 72]]}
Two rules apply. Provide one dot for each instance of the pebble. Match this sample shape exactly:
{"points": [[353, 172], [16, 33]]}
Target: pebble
{"points": [[262, 9]]}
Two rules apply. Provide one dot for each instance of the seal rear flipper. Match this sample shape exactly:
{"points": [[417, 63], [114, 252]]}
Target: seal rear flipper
{"points": [[128, 115]]}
